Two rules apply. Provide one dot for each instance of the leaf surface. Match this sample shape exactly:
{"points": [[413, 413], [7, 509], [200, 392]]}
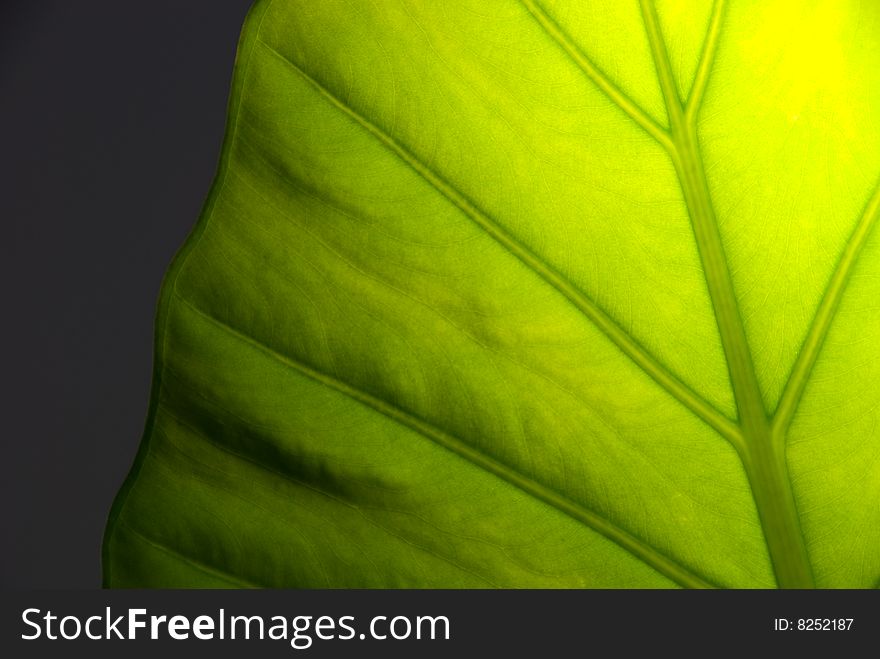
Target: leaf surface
{"points": [[526, 294]]}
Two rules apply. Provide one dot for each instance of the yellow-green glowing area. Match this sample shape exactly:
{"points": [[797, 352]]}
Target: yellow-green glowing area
{"points": [[538, 293]]}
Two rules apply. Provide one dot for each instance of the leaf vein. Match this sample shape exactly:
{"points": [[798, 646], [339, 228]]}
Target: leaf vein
{"points": [[761, 452], [623, 340], [612, 91], [825, 314], [636, 547], [265, 466], [707, 60], [214, 571]]}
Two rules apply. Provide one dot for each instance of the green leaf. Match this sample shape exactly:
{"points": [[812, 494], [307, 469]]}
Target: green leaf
{"points": [[526, 294]]}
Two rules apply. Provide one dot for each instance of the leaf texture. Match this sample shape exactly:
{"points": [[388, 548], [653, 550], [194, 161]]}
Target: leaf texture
{"points": [[527, 293]]}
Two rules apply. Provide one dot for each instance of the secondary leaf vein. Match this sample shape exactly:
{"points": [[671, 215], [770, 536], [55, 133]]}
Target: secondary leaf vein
{"points": [[624, 341], [647, 554], [214, 571], [707, 60], [818, 331], [612, 91]]}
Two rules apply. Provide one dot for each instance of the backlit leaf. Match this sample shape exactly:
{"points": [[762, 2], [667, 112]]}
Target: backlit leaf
{"points": [[534, 293]]}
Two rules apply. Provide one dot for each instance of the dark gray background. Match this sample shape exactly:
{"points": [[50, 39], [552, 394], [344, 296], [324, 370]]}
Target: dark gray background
{"points": [[111, 120]]}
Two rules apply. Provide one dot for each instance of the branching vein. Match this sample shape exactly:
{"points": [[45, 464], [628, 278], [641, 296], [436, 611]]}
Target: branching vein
{"points": [[707, 59], [602, 81], [762, 453], [626, 343], [649, 555]]}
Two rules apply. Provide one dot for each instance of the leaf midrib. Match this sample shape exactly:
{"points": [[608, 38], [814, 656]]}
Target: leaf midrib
{"points": [[762, 453], [764, 462], [761, 441]]}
